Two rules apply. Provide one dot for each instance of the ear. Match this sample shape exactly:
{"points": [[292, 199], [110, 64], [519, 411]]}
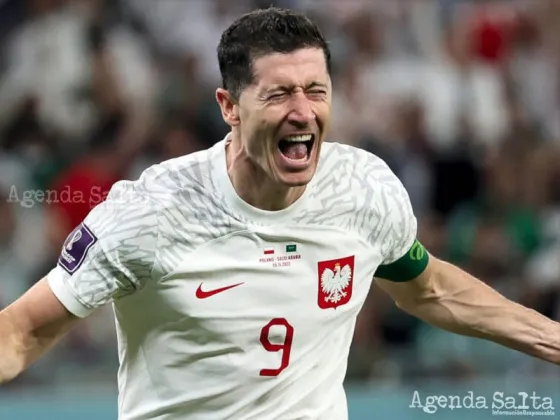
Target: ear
{"points": [[230, 110]]}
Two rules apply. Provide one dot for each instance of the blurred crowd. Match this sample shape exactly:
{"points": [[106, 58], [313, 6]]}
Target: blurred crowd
{"points": [[461, 98]]}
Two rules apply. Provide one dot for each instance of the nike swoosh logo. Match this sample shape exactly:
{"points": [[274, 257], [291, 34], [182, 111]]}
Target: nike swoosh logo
{"points": [[203, 294]]}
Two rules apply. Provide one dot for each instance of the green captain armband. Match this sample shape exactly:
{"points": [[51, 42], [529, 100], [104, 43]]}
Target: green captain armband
{"points": [[406, 268]]}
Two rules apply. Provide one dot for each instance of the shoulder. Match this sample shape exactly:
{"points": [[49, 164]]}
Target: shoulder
{"points": [[175, 176], [362, 171], [354, 159], [163, 187], [359, 190], [171, 184]]}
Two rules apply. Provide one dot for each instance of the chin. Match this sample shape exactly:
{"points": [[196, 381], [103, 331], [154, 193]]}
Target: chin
{"points": [[296, 179]]}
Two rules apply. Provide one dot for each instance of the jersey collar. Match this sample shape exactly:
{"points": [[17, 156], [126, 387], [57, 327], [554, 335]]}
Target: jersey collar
{"points": [[243, 208]]}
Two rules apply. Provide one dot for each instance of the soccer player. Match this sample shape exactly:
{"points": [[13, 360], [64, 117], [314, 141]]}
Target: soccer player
{"points": [[236, 273]]}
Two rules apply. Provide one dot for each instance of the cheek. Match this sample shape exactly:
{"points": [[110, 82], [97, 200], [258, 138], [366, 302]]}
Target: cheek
{"points": [[258, 128], [256, 135], [263, 128], [323, 113]]}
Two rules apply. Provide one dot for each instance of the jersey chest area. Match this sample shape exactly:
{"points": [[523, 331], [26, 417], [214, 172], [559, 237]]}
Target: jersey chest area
{"points": [[316, 277], [252, 304]]}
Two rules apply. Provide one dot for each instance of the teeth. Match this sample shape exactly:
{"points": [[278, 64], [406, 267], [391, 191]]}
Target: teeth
{"points": [[304, 137]]}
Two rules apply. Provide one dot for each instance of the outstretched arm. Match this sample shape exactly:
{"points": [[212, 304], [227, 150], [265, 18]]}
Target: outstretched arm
{"points": [[30, 327], [107, 257], [439, 293], [449, 298]]}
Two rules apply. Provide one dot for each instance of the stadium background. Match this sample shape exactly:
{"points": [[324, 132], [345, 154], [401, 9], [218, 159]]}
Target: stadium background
{"points": [[462, 98]]}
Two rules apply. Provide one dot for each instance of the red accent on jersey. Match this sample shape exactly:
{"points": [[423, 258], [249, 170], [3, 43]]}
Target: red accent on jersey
{"points": [[335, 279], [203, 294], [285, 347]]}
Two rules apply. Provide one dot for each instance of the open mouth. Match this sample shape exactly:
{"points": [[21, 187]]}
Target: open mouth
{"points": [[297, 147]]}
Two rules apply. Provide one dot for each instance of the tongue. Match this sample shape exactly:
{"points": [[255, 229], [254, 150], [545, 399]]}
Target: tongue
{"points": [[295, 151]]}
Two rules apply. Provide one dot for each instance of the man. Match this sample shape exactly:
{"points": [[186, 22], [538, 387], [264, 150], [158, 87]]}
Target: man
{"points": [[237, 273]]}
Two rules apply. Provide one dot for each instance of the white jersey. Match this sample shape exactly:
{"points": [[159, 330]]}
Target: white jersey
{"points": [[225, 311]]}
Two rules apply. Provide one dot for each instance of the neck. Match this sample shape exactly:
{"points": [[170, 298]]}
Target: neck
{"points": [[265, 194]]}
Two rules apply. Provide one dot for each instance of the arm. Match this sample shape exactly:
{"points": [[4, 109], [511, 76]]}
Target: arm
{"points": [[449, 298], [29, 327], [107, 257], [441, 294]]}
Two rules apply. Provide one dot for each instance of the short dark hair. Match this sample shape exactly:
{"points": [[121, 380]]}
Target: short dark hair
{"points": [[262, 32]]}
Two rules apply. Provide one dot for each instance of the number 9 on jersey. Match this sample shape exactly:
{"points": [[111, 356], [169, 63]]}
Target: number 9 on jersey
{"points": [[284, 347]]}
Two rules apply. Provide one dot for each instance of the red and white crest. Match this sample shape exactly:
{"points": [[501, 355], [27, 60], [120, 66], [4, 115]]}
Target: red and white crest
{"points": [[335, 282]]}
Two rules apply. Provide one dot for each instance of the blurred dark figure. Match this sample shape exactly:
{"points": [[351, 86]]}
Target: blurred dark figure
{"points": [[493, 234], [179, 140], [456, 177], [26, 140]]}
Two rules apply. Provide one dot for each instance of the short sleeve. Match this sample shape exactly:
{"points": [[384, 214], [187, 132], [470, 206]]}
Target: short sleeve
{"points": [[394, 227], [111, 254], [394, 224]]}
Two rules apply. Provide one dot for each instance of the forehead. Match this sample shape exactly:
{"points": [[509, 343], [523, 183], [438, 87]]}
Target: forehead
{"points": [[296, 68]]}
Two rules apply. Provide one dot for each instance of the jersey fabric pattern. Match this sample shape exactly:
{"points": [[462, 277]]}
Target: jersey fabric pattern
{"points": [[227, 311]]}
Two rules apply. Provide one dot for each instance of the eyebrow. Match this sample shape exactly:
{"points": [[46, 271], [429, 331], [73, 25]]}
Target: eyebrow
{"points": [[289, 88]]}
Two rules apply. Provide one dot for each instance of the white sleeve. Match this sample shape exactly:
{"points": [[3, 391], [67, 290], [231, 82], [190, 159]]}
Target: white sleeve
{"points": [[394, 226], [110, 255]]}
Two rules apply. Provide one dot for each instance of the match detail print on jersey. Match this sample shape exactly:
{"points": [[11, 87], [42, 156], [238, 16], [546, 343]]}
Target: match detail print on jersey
{"points": [[408, 267], [335, 282], [75, 248]]}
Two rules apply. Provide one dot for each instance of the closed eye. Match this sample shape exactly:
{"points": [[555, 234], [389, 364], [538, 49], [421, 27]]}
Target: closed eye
{"points": [[277, 96], [317, 94]]}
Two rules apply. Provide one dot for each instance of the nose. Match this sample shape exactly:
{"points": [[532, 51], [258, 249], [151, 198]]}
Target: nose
{"points": [[301, 115]]}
